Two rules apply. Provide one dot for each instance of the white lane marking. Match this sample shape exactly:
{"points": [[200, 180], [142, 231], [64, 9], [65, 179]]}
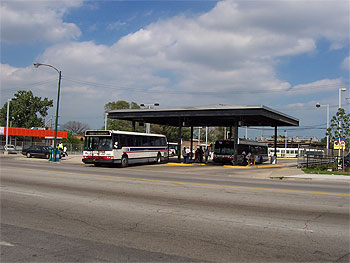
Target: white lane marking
{"points": [[4, 243], [21, 193]]}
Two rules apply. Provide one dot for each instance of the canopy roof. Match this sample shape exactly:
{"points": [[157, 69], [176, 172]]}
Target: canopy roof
{"points": [[210, 116]]}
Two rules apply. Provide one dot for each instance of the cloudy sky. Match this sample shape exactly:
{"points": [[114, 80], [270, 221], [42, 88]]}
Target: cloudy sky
{"points": [[286, 54]]}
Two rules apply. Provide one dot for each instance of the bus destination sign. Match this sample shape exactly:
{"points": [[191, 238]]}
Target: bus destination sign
{"points": [[97, 133]]}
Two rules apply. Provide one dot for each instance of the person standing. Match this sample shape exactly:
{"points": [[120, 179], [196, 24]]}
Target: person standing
{"points": [[206, 154], [184, 154], [201, 153], [244, 158], [249, 158], [188, 154], [65, 151]]}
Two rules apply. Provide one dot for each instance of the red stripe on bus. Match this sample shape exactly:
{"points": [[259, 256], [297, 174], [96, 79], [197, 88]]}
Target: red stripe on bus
{"points": [[145, 151]]}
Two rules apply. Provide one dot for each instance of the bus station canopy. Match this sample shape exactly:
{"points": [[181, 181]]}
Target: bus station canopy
{"points": [[209, 116]]}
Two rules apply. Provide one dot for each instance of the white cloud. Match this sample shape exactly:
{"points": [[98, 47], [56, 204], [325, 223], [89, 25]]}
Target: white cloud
{"points": [[32, 21], [116, 25], [346, 63], [317, 86], [229, 53]]}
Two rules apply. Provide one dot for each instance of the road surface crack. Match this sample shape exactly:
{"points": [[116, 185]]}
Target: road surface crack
{"points": [[306, 227], [340, 258]]}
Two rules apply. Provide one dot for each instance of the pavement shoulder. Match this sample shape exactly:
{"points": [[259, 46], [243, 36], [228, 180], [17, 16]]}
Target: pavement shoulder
{"points": [[313, 177]]}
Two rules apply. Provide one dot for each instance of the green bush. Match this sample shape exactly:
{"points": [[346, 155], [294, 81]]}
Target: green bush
{"points": [[331, 168]]}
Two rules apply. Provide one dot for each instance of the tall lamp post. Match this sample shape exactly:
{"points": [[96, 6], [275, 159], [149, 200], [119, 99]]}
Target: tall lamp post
{"points": [[7, 125], [149, 106], [318, 105], [339, 124], [36, 65]]}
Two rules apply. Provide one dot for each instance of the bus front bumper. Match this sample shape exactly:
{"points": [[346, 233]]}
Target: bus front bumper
{"points": [[99, 160]]}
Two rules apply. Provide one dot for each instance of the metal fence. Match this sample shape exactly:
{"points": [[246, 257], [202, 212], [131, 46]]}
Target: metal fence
{"points": [[319, 156]]}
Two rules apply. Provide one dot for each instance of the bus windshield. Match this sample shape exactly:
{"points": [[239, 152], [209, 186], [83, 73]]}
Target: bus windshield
{"points": [[224, 147], [98, 143]]}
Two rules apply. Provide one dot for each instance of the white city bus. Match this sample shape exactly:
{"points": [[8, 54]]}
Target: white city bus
{"points": [[121, 147]]}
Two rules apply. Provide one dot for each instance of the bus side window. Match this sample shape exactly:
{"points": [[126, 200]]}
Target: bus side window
{"points": [[138, 140], [163, 141], [158, 141], [122, 140], [116, 141], [130, 139], [153, 141], [145, 140]]}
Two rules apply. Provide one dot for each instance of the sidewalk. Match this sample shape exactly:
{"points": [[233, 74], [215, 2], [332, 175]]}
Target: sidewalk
{"points": [[313, 176]]}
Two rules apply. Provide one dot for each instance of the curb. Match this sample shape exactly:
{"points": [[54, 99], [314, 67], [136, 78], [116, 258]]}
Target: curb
{"points": [[311, 177], [256, 167], [186, 164], [288, 177]]}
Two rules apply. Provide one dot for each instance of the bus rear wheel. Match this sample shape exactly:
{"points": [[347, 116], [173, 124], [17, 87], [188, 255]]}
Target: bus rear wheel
{"points": [[124, 161]]}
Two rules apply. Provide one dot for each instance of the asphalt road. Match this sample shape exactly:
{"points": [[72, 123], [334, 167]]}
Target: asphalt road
{"points": [[71, 212]]}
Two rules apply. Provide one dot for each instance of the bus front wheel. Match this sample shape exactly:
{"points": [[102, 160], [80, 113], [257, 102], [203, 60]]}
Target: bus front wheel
{"points": [[124, 161]]}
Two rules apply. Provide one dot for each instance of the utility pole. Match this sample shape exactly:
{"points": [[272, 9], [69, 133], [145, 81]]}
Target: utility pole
{"points": [[106, 116], [7, 124]]}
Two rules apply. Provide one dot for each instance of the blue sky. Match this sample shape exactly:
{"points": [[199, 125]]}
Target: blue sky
{"points": [[287, 55]]}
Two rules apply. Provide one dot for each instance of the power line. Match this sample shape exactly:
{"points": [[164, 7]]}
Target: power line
{"points": [[300, 128], [39, 83]]}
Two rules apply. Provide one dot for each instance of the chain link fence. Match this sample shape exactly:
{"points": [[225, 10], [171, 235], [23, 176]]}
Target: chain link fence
{"points": [[312, 156]]}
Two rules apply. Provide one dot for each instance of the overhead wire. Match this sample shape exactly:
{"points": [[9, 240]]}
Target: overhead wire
{"points": [[38, 83]]}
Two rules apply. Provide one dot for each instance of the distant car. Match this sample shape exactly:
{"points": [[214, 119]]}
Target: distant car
{"points": [[10, 149], [37, 151]]}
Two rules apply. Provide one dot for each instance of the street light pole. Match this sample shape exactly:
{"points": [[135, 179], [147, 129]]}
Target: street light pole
{"points": [[36, 65], [318, 105], [106, 116], [7, 124], [339, 124]]}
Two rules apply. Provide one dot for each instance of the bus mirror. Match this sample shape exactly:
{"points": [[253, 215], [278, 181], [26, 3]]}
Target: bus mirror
{"points": [[116, 145]]}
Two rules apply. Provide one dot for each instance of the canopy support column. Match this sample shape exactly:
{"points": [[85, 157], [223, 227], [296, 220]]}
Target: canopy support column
{"points": [[179, 140], [235, 139], [275, 145], [191, 147]]}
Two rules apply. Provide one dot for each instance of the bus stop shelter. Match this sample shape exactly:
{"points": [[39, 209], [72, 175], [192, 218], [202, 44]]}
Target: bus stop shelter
{"points": [[224, 116]]}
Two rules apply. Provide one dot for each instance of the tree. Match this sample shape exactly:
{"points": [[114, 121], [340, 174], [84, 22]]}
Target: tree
{"points": [[75, 127], [172, 133], [343, 131], [26, 110], [121, 124], [71, 139]]}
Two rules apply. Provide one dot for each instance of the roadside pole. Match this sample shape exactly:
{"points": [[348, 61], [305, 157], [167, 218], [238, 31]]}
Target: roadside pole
{"points": [[7, 125]]}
